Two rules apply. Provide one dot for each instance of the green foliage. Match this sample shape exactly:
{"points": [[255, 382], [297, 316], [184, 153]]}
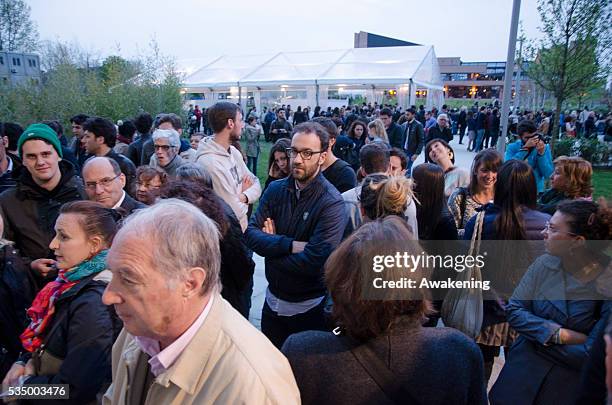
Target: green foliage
{"points": [[76, 83], [589, 149], [565, 147], [573, 57], [18, 33], [593, 150]]}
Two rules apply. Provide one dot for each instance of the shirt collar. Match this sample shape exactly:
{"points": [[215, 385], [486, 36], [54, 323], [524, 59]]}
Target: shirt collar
{"points": [[120, 200], [162, 360], [9, 168]]}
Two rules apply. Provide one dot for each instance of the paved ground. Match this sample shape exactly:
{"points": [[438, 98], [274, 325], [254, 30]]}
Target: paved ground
{"points": [[463, 158]]}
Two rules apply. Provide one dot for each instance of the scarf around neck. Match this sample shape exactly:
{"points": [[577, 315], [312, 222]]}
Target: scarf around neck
{"points": [[43, 308]]}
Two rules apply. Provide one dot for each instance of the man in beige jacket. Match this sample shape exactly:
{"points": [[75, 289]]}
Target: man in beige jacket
{"points": [[182, 343]]}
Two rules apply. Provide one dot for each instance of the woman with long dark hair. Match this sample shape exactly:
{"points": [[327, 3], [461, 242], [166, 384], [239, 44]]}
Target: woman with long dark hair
{"points": [[434, 219], [511, 217], [278, 161], [465, 201]]}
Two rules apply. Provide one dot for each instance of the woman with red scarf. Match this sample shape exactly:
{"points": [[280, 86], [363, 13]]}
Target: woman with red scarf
{"points": [[71, 332]]}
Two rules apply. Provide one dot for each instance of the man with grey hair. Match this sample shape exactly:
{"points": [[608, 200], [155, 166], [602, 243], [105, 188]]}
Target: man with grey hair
{"points": [[182, 342], [166, 143], [441, 130]]}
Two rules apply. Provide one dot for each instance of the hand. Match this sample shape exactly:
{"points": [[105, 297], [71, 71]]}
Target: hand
{"points": [[540, 147], [29, 368], [297, 247], [43, 266], [531, 143], [609, 364], [269, 226], [247, 182], [414, 157], [12, 377], [274, 131], [571, 337]]}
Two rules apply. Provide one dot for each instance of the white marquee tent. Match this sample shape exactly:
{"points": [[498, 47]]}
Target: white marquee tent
{"points": [[324, 78]]}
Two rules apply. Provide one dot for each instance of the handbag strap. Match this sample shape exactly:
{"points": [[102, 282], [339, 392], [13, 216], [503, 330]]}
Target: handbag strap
{"points": [[477, 234], [386, 380]]}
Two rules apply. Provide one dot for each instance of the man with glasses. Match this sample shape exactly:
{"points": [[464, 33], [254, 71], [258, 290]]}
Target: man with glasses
{"points": [[299, 222], [166, 143], [232, 180], [44, 183], [99, 138], [104, 183]]}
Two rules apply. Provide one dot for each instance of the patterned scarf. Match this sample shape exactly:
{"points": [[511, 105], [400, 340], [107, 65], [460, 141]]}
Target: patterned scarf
{"points": [[43, 308]]}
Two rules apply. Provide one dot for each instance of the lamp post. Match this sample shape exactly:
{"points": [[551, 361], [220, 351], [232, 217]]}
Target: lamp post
{"points": [[516, 8]]}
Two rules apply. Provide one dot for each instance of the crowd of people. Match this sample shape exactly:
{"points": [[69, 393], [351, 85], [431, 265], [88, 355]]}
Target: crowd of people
{"points": [[127, 259]]}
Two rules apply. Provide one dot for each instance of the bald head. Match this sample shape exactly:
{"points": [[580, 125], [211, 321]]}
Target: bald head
{"points": [[104, 181]]}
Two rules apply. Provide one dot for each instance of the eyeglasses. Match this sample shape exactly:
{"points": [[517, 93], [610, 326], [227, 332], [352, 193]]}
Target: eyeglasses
{"points": [[165, 148], [305, 154], [92, 185], [548, 229]]}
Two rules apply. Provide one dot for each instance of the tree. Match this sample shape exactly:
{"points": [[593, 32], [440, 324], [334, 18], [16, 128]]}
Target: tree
{"points": [[18, 33], [77, 81], [573, 56]]}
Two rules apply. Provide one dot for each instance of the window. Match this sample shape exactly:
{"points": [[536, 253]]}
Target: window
{"points": [[16, 62], [1, 60]]}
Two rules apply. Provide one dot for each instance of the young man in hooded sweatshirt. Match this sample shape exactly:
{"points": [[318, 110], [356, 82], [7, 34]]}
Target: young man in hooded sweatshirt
{"points": [[231, 178]]}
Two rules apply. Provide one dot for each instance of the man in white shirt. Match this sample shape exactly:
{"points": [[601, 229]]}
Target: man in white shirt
{"points": [[104, 183]]}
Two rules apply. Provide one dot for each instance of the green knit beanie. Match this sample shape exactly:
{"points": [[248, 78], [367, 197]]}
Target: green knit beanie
{"points": [[40, 131]]}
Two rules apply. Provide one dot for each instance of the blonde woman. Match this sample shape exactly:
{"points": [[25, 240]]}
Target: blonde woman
{"points": [[377, 132], [571, 180]]}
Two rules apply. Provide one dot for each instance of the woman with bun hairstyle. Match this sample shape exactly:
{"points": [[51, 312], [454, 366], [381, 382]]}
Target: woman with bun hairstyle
{"points": [[561, 305]]}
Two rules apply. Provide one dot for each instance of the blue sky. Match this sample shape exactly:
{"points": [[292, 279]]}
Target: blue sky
{"points": [[475, 30]]}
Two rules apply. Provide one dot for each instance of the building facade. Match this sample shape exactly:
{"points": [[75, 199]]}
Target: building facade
{"points": [[18, 68], [464, 80], [480, 79]]}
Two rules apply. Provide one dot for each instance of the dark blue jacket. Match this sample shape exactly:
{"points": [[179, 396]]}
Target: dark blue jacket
{"points": [[317, 217], [546, 299]]}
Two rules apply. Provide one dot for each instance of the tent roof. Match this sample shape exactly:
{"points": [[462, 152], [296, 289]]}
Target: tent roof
{"points": [[357, 66]]}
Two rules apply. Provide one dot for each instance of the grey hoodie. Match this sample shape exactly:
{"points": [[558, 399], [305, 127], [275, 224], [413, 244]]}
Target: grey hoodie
{"points": [[227, 169]]}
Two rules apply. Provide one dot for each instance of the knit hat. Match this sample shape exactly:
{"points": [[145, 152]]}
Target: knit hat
{"points": [[42, 132]]}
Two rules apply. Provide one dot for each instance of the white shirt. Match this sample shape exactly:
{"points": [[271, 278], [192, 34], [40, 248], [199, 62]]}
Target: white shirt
{"points": [[162, 360], [120, 201]]}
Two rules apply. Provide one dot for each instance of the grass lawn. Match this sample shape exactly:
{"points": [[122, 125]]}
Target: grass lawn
{"points": [[602, 182]]}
